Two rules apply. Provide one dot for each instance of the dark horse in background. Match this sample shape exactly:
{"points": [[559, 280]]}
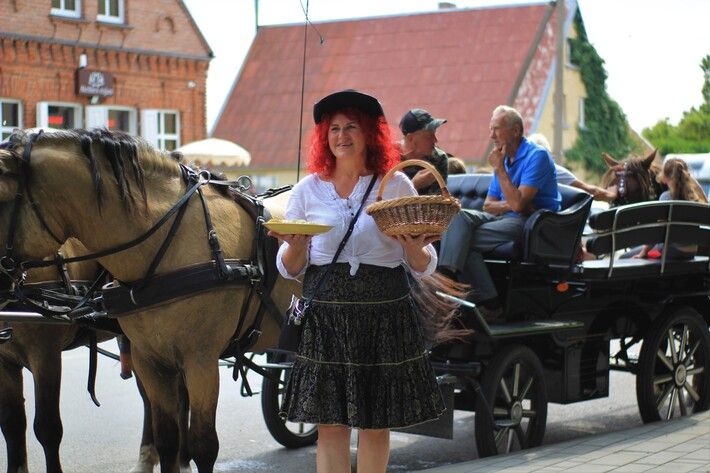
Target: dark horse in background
{"points": [[108, 188], [633, 179]]}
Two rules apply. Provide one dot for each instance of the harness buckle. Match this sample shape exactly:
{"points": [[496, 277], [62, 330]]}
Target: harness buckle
{"points": [[8, 264]]}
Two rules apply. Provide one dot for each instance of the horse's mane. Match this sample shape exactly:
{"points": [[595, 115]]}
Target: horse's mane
{"points": [[128, 157]]}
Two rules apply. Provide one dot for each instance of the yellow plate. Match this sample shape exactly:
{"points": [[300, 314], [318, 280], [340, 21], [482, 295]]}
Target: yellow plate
{"points": [[297, 228]]}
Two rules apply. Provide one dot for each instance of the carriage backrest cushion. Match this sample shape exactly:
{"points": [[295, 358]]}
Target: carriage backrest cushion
{"points": [[471, 190]]}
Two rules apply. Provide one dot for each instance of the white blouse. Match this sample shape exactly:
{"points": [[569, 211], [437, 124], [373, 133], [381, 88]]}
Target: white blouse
{"points": [[316, 200]]}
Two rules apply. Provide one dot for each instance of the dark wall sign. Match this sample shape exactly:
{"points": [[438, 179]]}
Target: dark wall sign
{"points": [[90, 82]]}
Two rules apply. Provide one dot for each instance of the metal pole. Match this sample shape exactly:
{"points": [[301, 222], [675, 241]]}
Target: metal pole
{"points": [[559, 98], [32, 317]]}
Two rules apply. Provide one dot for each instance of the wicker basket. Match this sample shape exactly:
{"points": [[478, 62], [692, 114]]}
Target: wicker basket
{"points": [[414, 215]]}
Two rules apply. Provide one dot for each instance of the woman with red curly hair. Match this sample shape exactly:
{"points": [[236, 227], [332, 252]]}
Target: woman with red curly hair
{"points": [[361, 362]]}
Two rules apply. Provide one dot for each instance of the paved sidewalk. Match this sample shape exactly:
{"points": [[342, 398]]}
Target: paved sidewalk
{"points": [[681, 445]]}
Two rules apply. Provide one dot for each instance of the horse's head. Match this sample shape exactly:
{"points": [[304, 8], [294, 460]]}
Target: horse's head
{"points": [[632, 179]]}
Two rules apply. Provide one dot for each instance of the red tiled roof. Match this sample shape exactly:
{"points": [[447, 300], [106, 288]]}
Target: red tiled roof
{"points": [[457, 64]]}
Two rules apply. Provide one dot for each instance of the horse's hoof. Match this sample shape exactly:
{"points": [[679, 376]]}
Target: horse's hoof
{"points": [[185, 469], [147, 459]]}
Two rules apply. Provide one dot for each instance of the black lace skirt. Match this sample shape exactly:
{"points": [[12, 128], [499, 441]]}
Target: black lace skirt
{"points": [[361, 362]]}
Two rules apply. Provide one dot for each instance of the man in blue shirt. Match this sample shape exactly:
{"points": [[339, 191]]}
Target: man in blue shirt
{"points": [[523, 181]]}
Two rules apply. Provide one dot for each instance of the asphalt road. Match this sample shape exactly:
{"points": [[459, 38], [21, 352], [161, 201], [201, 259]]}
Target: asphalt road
{"points": [[105, 439]]}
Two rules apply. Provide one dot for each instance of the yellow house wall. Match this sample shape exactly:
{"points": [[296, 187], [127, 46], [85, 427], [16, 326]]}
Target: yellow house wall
{"points": [[574, 89]]}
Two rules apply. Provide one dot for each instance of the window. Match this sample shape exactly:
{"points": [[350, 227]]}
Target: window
{"points": [[110, 11], [60, 115], [581, 113], [161, 128], [10, 117], [262, 183], [569, 62], [70, 8], [112, 117]]}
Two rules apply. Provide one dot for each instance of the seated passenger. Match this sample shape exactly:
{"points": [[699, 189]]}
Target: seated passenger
{"points": [[681, 186], [456, 166], [419, 141], [565, 176], [523, 181]]}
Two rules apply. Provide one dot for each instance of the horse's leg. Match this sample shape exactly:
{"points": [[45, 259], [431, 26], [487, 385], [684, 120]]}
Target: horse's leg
{"points": [[148, 455], [12, 416], [46, 369], [202, 381], [161, 387], [185, 455]]}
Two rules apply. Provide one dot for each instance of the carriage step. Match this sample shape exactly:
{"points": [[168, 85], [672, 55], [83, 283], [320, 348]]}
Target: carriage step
{"points": [[512, 329]]}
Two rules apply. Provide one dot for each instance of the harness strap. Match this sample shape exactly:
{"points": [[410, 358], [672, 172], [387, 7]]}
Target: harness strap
{"points": [[124, 246], [225, 272], [93, 362], [163, 248]]}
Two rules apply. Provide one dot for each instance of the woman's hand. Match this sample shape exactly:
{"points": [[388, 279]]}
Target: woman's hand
{"points": [[295, 257], [413, 245], [293, 240]]}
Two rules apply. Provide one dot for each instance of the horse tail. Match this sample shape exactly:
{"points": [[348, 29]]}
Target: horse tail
{"points": [[438, 316]]}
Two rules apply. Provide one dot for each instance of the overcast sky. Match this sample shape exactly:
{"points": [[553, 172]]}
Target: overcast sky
{"points": [[652, 48]]}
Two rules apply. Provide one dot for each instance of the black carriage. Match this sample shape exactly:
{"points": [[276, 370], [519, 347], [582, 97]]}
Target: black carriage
{"points": [[561, 317]]}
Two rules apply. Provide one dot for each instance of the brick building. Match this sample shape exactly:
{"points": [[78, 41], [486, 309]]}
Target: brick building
{"points": [[137, 66]]}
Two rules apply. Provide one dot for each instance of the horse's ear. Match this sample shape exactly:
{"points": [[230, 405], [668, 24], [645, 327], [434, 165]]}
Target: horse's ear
{"points": [[648, 160], [610, 162]]}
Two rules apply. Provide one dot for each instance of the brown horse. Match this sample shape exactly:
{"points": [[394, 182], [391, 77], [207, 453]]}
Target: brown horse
{"points": [[38, 348], [106, 189], [632, 180]]}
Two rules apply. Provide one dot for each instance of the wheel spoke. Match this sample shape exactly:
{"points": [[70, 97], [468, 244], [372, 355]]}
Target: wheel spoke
{"points": [[506, 393], [662, 398], [698, 370], [526, 388], [669, 415], [530, 413], [500, 434], [666, 361], [671, 344], [516, 380], [509, 446], [692, 351], [691, 390], [521, 437], [683, 342], [662, 379], [681, 403], [500, 412]]}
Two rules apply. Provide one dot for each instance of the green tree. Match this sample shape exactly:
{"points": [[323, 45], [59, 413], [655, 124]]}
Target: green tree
{"points": [[692, 135], [606, 128]]}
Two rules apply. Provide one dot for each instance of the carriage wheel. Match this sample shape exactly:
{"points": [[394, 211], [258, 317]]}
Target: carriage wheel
{"points": [[672, 375], [288, 434], [514, 388]]}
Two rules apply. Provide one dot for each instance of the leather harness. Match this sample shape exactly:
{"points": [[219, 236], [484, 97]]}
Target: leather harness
{"points": [[120, 298]]}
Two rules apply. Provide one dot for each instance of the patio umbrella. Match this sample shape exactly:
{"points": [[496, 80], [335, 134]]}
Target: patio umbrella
{"points": [[216, 153]]}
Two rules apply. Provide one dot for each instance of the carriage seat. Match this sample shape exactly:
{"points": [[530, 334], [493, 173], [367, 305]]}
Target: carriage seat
{"points": [[548, 237], [669, 222]]}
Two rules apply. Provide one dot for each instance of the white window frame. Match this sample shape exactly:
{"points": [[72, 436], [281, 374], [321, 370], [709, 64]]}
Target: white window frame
{"points": [[110, 18], [43, 113], [97, 116], [581, 123], [10, 129], [63, 11], [263, 181], [153, 124]]}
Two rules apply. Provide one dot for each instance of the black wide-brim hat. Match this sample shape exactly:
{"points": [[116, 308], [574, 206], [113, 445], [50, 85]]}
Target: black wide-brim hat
{"points": [[347, 99]]}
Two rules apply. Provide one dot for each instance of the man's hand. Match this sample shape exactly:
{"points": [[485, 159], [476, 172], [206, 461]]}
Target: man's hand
{"points": [[422, 179], [496, 157]]}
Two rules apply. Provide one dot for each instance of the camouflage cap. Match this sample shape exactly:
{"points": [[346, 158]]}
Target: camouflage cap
{"points": [[419, 119]]}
